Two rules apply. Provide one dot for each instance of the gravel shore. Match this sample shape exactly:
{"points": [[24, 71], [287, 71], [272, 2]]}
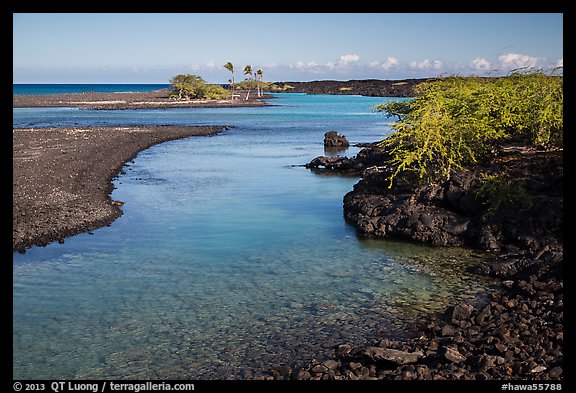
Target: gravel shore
{"points": [[63, 176]]}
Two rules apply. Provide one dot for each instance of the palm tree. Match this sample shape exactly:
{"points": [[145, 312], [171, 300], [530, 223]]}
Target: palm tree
{"points": [[248, 71], [230, 67], [259, 78]]}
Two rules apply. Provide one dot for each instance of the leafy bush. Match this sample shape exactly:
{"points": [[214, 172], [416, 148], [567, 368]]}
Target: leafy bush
{"points": [[274, 87], [394, 108], [194, 87], [213, 92], [498, 191], [246, 85], [456, 121]]}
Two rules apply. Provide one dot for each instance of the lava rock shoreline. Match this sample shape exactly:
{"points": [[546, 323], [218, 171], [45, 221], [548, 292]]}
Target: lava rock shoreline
{"points": [[519, 334], [365, 87]]}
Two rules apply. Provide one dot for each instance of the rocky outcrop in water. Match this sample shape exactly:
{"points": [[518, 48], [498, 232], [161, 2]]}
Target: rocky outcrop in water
{"points": [[365, 159], [332, 139], [452, 213], [519, 333]]}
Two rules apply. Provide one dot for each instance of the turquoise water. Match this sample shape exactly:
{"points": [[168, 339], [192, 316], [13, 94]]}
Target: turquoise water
{"points": [[228, 258], [54, 88]]}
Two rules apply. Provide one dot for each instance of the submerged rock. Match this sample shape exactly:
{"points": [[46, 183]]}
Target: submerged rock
{"points": [[392, 355], [453, 355]]}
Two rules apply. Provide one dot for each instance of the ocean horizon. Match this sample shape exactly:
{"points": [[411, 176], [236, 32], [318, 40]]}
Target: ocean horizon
{"points": [[63, 88]]}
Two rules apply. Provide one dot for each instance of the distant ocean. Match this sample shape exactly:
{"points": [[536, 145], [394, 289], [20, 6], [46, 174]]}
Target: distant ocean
{"points": [[33, 88]]}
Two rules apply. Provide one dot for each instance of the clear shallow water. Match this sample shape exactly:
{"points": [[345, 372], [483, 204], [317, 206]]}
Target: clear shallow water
{"points": [[227, 258]]}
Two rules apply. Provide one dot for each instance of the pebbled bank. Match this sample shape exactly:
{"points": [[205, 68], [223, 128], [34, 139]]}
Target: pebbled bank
{"points": [[62, 177]]}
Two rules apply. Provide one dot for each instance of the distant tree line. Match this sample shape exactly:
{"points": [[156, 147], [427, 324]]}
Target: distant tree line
{"points": [[253, 81], [190, 86], [194, 87]]}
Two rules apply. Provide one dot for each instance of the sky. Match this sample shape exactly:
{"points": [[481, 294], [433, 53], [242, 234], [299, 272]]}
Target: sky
{"points": [[153, 47]]}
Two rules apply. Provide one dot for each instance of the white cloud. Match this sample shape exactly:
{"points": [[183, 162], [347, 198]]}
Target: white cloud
{"points": [[211, 65], [343, 62], [517, 60], [389, 63], [560, 62], [303, 65], [346, 59], [480, 64], [310, 66], [426, 64], [351, 66], [270, 65]]}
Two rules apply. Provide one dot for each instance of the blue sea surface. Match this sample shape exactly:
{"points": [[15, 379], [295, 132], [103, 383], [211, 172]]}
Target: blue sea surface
{"points": [[53, 88], [230, 256]]}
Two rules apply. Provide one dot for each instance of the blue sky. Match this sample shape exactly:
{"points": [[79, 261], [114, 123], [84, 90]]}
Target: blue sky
{"points": [[151, 48]]}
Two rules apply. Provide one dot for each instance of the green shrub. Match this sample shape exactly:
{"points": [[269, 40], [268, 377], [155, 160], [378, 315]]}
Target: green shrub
{"points": [[456, 121], [394, 108], [499, 191], [246, 85], [213, 92], [194, 87]]}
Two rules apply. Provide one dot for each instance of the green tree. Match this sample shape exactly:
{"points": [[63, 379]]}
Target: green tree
{"points": [[194, 87], [185, 85], [230, 67], [454, 122], [393, 108]]}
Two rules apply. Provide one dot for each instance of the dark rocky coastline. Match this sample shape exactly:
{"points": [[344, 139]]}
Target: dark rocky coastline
{"points": [[158, 99], [519, 334], [365, 87], [451, 214], [64, 189]]}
